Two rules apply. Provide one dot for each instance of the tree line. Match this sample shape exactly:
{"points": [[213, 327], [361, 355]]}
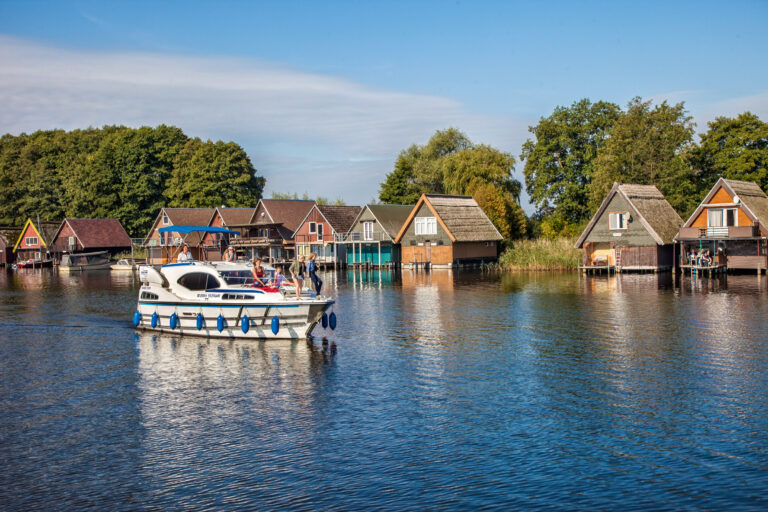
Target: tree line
{"points": [[119, 172], [575, 156]]}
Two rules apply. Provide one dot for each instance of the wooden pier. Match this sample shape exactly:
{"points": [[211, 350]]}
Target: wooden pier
{"points": [[703, 270]]}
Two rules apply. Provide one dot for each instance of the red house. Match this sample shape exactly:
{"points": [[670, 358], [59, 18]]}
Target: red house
{"points": [[33, 243], [319, 230], [163, 247], [8, 235], [224, 218], [82, 235]]}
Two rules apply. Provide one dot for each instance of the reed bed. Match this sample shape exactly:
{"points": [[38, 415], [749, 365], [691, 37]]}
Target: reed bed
{"points": [[541, 254]]}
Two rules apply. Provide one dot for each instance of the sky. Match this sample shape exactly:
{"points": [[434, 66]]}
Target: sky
{"points": [[324, 95]]}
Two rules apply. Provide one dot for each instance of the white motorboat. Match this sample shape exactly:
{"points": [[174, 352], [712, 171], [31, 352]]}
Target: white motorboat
{"points": [[217, 299], [123, 265], [77, 262]]}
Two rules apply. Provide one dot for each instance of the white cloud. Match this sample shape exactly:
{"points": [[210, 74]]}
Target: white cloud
{"points": [[295, 126]]}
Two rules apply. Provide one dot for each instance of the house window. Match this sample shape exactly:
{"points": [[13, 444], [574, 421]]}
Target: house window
{"points": [[721, 217], [263, 233], [618, 220], [166, 220], [319, 231], [426, 226], [312, 228], [162, 239], [30, 241], [368, 230]]}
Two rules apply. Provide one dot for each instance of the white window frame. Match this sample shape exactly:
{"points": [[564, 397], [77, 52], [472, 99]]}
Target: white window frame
{"points": [[166, 220], [319, 229], [368, 230], [723, 217], [425, 226], [618, 221], [312, 228], [31, 241]]}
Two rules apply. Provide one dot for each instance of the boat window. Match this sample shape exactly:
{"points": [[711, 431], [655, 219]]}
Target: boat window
{"points": [[149, 296], [237, 276], [198, 281], [236, 296]]}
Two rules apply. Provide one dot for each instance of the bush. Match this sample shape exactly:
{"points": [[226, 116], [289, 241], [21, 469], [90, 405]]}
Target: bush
{"points": [[541, 254]]}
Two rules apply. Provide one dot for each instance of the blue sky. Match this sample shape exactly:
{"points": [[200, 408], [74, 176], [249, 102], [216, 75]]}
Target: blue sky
{"points": [[324, 95]]}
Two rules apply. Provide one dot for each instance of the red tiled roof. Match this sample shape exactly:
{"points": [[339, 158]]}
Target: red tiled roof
{"points": [[340, 218], [289, 212], [189, 216], [236, 216], [99, 233]]}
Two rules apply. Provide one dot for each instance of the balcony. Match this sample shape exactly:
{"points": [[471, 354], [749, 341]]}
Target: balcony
{"points": [[718, 233], [255, 241], [360, 237]]}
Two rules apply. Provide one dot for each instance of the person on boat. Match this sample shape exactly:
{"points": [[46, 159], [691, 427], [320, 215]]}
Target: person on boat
{"points": [[258, 273], [229, 255], [278, 280], [297, 269], [312, 271], [184, 255]]}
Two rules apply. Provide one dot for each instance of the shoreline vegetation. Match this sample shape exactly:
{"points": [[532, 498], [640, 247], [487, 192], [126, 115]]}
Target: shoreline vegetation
{"points": [[541, 254]]}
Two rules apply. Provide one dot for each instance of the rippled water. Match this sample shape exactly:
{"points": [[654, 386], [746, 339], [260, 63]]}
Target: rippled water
{"points": [[443, 391]]}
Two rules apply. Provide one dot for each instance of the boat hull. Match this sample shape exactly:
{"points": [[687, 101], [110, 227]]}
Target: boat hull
{"points": [[83, 268], [296, 320]]}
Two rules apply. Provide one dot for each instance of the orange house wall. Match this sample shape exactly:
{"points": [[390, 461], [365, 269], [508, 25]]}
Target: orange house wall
{"points": [[61, 243], [303, 236], [30, 231]]}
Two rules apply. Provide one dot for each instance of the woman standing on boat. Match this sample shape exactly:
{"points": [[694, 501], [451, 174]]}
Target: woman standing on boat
{"points": [[229, 255], [297, 274], [258, 272], [312, 271]]}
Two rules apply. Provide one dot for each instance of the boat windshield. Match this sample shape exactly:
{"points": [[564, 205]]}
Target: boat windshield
{"points": [[237, 276]]}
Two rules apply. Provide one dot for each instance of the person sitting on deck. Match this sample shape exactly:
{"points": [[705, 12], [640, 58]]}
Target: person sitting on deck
{"points": [[184, 255], [278, 279], [258, 273], [706, 260]]}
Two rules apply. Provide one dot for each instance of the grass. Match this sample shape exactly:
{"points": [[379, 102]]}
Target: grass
{"points": [[541, 254]]}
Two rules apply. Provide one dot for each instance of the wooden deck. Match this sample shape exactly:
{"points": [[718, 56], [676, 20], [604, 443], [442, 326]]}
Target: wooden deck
{"points": [[597, 269], [707, 270]]}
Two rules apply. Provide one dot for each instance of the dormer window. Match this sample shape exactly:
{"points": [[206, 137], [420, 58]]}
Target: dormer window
{"points": [[618, 221], [425, 225], [721, 217], [166, 220]]}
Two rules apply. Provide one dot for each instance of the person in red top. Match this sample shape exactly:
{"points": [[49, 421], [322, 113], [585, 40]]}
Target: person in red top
{"points": [[258, 272]]}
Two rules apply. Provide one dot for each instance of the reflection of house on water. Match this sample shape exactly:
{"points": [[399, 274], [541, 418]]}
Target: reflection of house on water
{"points": [[626, 283]]}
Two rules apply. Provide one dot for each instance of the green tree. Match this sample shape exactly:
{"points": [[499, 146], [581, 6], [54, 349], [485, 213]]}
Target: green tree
{"points": [[13, 181], [649, 146], [400, 185], [559, 163], [734, 148], [209, 174]]}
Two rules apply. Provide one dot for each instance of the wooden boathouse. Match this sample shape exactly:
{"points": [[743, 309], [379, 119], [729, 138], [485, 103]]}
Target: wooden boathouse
{"points": [[33, 243], [214, 244], [727, 231], [163, 247], [8, 235], [79, 235], [370, 241], [443, 231], [633, 230], [268, 233], [319, 230]]}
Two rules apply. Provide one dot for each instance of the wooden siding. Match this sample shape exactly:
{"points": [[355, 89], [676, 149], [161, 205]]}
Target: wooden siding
{"points": [[410, 238], [367, 216], [742, 219], [433, 254], [634, 236], [303, 236], [28, 233], [642, 257], [61, 243], [475, 250], [721, 196], [369, 253]]}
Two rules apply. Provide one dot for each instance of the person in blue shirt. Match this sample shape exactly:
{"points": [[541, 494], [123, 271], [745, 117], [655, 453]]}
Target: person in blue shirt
{"points": [[312, 271]]}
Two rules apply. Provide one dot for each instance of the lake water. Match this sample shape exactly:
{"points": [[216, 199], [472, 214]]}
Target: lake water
{"points": [[440, 391]]}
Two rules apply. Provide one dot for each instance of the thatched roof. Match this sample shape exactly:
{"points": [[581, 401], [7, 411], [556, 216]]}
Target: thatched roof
{"points": [[648, 204], [461, 217], [753, 197]]}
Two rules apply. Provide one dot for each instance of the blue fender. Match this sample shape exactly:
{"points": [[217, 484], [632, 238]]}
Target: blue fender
{"points": [[324, 320], [220, 323], [200, 321], [245, 324], [174, 321], [332, 320], [155, 319], [136, 319], [275, 325]]}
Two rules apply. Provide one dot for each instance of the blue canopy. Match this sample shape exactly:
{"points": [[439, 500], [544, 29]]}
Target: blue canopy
{"points": [[190, 229]]}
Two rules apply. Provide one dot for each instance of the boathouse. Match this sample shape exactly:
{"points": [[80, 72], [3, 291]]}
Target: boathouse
{"points": [[8, 235], [215, 244], [633, 230], [370, 241], [446, 231], [86, 235], [268, 233], [729, 226], [34, 242], [321, 228], [163, 247]]}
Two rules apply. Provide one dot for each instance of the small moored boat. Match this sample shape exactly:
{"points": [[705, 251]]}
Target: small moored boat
{"points": [[77, 262], [217, 299], [123, 265]]}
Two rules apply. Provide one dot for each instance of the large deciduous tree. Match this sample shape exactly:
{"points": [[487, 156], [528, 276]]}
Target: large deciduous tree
{"points": [[559, 163], [734, 148], [649, 146], [451, 164]]}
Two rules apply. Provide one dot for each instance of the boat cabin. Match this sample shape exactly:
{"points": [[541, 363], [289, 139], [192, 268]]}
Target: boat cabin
{"points": [[633, 230], [728, 229]]}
